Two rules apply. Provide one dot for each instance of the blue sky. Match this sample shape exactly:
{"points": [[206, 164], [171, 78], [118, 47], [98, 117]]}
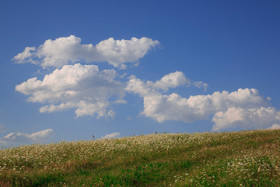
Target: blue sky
{"points": [[71, 70]]}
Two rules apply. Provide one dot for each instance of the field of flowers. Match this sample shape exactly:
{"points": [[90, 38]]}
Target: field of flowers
{"points": [[246, 158]]}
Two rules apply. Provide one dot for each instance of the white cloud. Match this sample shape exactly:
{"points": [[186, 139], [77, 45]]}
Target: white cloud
{"points": [[201, 84], [120, 101], [69, 50], [174, 107], [83, 87], [112, 135], [117, 52], [171, 80], [274, 126], [246, 118], [36, 137], [25, 56], [91, 91]]}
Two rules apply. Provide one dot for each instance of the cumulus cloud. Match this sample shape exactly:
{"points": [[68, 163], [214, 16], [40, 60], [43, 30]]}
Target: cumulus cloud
{"points": [[90, 91], [112, 135], [171, 80], [83, 87], [243, 108], [248, 118], [176, 107], [69, 50], [36, 137], [25, 56], [274, 126]]}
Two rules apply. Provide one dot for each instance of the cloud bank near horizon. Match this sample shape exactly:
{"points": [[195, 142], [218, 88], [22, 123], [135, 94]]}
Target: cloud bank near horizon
{"points": [[93, 92], [243, 108], [22, 138]]}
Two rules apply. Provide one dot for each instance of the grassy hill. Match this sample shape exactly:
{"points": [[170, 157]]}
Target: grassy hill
{"points": [[220, 159]]}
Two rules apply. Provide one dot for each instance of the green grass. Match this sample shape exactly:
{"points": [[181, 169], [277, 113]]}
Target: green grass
{"points": [[248, 158]]}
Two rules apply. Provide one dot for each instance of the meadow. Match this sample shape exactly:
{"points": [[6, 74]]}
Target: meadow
{"points": [[245, 158]]}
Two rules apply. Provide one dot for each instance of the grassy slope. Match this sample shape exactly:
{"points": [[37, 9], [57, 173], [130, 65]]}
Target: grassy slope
{"points": [[247, 157]]}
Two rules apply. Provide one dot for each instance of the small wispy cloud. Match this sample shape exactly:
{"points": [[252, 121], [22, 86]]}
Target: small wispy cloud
{"points": [[112, 135], [23, 138], [200, 84]]}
